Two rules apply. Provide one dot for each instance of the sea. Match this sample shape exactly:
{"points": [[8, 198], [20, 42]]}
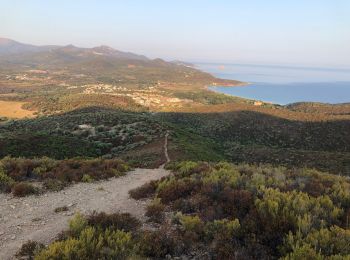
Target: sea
{"points": [[283, 84]]}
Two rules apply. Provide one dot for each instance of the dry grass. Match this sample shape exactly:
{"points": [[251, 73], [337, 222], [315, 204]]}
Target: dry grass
{"points": [[13, 109]]}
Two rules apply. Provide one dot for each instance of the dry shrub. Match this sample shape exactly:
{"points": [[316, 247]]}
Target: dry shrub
{"points": [[61, 209], [29, 250], [19, 169], [73, 170], [54, 185], [158, 244], [178, 189], [145, 191], [155, 211], [23, 189], [116, 221]]}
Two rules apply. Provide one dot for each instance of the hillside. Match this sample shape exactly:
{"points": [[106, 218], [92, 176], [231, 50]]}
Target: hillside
{"points": [[235, 178], [65, 78]]}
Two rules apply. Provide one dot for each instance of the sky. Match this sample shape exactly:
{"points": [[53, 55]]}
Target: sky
{"points": [[288, 32]]}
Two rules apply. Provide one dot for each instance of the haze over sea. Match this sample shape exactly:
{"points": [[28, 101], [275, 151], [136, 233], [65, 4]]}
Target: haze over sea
{"points": [[283, 84]]}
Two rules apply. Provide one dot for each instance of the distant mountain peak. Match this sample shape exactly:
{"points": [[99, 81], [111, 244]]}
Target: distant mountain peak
{"points": [[11, 47], [6, 41]]}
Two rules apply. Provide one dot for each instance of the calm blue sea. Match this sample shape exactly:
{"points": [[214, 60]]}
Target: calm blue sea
{"points": [[284, 85]]}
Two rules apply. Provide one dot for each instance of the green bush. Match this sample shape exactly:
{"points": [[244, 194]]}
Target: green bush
{"points": [[328, 242], [87, 178], [192, 224], [91, 244], [223, 228], [77, 224], [6, 182]]}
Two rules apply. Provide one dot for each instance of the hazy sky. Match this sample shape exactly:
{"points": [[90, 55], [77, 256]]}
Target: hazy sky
{"points": [[303, 32]]}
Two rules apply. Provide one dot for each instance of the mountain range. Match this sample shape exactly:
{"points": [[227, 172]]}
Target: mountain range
{"points": [[101, 61], [11, 47]]}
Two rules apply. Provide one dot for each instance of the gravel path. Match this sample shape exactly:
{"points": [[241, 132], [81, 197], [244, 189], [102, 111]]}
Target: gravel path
{"points": [[33, 217]]}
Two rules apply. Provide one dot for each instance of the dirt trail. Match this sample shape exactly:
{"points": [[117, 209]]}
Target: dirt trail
{"points": [[166, 147], [33, 217]]}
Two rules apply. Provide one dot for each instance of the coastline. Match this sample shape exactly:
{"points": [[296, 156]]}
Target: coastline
{"points": [[234, 83]]}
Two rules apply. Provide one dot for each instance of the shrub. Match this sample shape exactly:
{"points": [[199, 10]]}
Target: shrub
{"points": [[304, 252], [29, 249], [116, 221], [57, 174], [54, 185], [223, 228], [61, 209], [23, 189], [187, 168], [87, 178], [145, 191], [77, 224], [155, 211], [91, 244], [159, 243], [333, 241], [192, 224], [46, 164], [19, 169], [185, 206], [171, 189], [6, 182]]}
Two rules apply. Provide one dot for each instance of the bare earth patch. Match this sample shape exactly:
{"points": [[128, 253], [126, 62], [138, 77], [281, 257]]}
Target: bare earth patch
{"points": [[34, 217], [13, 109]]}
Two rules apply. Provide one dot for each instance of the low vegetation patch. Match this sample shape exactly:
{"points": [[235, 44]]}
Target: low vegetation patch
{"points": [[223, 211], [15, 173]]}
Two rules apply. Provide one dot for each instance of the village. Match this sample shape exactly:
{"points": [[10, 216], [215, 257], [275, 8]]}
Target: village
{"points": [[148, 97]]}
